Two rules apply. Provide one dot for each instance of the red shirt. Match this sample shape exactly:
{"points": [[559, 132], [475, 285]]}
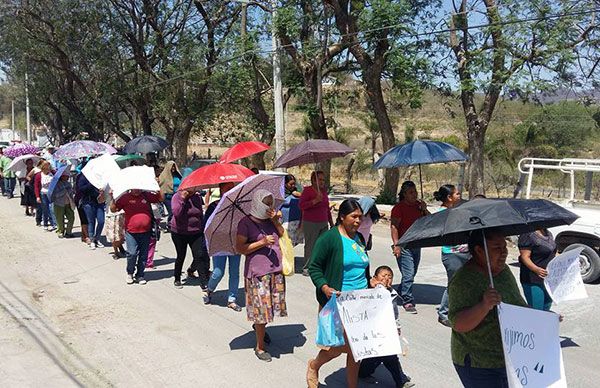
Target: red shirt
{"points": [[138, 211], [407, 213], [314, 213]]}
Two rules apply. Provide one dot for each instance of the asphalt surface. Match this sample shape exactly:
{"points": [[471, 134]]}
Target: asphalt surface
{"points": [[68, 319]]}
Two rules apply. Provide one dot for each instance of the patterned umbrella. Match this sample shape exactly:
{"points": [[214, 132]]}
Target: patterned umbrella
{"points": [[20, 149], [79, 149], [312, 151], [109, 149], [145, 145], [221, 227]]}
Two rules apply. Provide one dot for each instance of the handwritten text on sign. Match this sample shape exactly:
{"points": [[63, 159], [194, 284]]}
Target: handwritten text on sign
{"points": [[368, 318], [564, 277], [531, 347]]}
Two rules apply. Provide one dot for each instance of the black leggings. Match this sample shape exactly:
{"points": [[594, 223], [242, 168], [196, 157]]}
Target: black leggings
{"points": [[201, 262]]}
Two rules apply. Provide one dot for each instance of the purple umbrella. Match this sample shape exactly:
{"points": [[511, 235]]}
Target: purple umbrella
{"points": [[20, 149], [312, 151], [221, 227], [79, 149], [108, 148]]}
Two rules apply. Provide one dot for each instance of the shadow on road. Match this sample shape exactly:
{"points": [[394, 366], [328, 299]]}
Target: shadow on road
{"points": [[284, 339], [567, 342], [428, 293]]}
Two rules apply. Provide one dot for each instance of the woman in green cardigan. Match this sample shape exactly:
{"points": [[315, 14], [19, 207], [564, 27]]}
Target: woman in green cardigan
{"points": [[338, 263]]}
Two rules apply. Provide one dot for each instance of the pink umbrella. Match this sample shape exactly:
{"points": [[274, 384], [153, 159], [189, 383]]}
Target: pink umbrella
{"points": [[20, 149]]}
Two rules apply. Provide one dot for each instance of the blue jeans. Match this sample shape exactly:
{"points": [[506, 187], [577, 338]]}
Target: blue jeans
{"points": [[408, 262], [537, 297], [47, 213], [481, 377], [169, 208], [452, 262], [95, 217], [137, 245], [9, 186], [219, 270]]}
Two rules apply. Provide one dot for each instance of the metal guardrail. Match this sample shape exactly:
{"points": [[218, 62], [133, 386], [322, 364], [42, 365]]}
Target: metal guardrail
{"points": [[569, 166]]}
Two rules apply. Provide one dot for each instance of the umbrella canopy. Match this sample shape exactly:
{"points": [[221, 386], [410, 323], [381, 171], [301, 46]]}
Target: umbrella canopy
{"points": [[62, 170], [124, 160], [145, 145], [18, 164], [99, 170], [108, 148], [507, 216], [133, 178], [420, 152], [221, 227], [79, 149], [20, 149], [312, 151], [243, 150], [213, 174]]}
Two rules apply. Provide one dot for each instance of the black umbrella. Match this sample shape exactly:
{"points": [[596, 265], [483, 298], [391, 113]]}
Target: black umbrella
{"points": [[145, 145], [506, 216]]}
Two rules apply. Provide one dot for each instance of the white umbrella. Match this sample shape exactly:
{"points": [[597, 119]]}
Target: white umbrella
{"points": [[18, 165], [133, 178], [98, 171]]}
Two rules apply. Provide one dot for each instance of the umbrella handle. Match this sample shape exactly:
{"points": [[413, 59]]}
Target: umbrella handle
{"points": [[487, 259]]}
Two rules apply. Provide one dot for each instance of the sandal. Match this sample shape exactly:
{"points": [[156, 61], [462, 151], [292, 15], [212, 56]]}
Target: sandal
{"points": [[266, 338], [263, 355], [234, 306]]}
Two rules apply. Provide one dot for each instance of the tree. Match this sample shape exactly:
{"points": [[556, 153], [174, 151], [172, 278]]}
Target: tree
{"points": [[511, 54], [373, 32]]}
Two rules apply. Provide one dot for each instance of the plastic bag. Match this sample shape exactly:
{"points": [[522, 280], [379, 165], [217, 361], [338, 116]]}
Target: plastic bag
{"points": [[330, 332], [287, 254]]}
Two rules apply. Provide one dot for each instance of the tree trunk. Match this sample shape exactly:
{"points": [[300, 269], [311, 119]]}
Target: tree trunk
{"points": [[476, 139], [348, 182], [371, 76], [180, 143]]}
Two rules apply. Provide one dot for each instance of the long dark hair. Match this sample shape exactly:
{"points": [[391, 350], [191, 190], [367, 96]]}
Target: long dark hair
{"points": [[289, 177], [347, 207], [404, 188], [444, 192]]}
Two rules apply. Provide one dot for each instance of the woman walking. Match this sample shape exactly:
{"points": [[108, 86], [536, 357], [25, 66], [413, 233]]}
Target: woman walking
{"points": [[536, 250], [258, 239], [28, 193], [220, 261], [62, 197], [92, 201], [114, 229], [187, 230], [45, 177], [453, 256], [339, 263], [316, 215], [476, 343], [169, 180], [404, 214]]}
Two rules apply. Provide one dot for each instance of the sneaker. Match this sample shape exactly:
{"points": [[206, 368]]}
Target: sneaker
{"points": [[129, 279], [305, 272], [206, 297], [263, 356], [141, 281], [46, 228], [91, 246], [61, 236], [410, 308], [408, 384], [444, 322], [177, 284], [99, 244], [51, 229]]}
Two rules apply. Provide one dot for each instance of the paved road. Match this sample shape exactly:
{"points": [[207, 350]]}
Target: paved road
{"points": [[69, 319]]}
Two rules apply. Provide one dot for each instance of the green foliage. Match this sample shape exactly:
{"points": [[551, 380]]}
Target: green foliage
{"points": [[386, 197]]}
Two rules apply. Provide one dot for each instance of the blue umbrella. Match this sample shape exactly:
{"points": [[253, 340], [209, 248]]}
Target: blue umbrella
{"points": [[420, 152], [60, 172]]}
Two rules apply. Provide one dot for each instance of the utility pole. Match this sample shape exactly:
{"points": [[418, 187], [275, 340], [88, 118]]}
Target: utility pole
{"points": [[12, 117], [277, 89], [27, 119]]}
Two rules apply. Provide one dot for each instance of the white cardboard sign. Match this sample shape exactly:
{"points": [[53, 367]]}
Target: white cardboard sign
{"points": [[368, 318], [531, 346], [564, 281]]}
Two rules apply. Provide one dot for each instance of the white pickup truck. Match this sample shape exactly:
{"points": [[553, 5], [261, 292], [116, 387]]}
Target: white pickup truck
{"points": [[585, 231]]}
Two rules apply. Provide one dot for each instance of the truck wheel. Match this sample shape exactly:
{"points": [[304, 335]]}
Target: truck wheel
{"points": [[589, 261]]}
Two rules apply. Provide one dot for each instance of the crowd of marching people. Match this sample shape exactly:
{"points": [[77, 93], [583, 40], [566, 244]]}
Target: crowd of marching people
{"points": [[336, 253]]}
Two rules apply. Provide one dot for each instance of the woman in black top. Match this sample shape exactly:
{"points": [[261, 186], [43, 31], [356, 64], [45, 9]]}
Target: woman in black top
{"points": [[536, 249]]}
